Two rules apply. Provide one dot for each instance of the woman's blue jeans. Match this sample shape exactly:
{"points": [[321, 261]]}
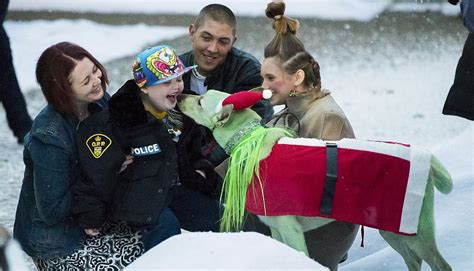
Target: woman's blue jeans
{"points": [[167, 226]]}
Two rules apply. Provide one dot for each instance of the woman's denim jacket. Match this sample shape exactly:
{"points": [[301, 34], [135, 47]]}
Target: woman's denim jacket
{"points": [[43, 224]]}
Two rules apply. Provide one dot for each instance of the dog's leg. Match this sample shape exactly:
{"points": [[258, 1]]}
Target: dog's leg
{"points": [[422, 246], [431, 255], [415, 249], [288, 230], [276, 234], [440, 178], [400, 244], [424, 243], [271, 223]]}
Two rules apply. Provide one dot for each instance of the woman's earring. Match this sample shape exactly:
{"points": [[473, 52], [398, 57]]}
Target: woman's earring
{"points": [[292, 93]]}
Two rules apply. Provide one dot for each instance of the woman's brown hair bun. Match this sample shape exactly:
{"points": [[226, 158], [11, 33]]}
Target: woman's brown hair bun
{"points": [[281, 23]]}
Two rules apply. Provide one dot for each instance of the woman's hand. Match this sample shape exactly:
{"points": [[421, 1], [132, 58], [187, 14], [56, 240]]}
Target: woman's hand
{"points": [[128, 161], [92, 232]]}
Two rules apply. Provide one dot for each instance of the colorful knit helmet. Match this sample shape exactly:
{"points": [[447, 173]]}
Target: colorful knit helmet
{"points": [[157, 65]]}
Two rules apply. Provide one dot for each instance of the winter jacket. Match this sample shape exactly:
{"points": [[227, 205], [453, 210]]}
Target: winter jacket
{"points": [[44, 224], [314, 115], [460, 100], [139, 193], [240, 71], [190, 159]]}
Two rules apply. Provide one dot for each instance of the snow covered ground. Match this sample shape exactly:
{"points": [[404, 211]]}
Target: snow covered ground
{"points": [[224, 251], [391, 86], [360, 10]]}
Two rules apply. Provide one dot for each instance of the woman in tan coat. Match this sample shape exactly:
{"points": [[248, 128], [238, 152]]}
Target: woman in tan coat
{"points": [[292, 74]]}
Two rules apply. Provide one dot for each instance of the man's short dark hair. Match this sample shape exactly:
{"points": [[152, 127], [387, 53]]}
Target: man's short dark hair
{"points": [[218, 13]]}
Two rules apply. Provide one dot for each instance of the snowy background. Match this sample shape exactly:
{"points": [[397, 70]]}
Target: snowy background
{"points": [[389, 64]]}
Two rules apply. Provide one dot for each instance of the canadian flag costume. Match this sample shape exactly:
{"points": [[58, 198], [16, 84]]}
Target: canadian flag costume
{"points": [[377, 184]]}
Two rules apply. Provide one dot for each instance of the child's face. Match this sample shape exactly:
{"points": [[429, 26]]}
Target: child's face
{"points": [[163, 97]]}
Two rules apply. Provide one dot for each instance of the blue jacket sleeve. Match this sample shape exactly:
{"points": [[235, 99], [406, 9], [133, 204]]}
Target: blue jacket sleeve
{"points": [[53, 180]]}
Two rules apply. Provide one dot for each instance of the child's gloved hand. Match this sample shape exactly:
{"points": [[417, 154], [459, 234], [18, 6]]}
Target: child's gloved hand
{"points": [[201, 172], [92, 232], [128, 161]]}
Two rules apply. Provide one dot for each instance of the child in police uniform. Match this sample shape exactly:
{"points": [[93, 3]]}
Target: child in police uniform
{"points": [[128, 155]]}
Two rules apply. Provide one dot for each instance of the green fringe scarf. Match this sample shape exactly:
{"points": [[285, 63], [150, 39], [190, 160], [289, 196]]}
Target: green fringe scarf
{"points": [[243, 166]]}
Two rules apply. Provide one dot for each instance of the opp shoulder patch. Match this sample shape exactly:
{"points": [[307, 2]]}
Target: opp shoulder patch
{"points": [[98, 144]]}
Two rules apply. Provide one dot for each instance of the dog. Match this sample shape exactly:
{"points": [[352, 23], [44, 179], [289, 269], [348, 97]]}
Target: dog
{"points": [[261, 157]]}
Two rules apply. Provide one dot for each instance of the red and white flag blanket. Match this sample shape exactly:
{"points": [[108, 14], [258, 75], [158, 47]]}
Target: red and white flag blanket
{"points": [[378, 184]]}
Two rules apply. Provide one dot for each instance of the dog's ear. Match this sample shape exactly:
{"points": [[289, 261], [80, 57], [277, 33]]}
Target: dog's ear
{"points": [[221, 117]]}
